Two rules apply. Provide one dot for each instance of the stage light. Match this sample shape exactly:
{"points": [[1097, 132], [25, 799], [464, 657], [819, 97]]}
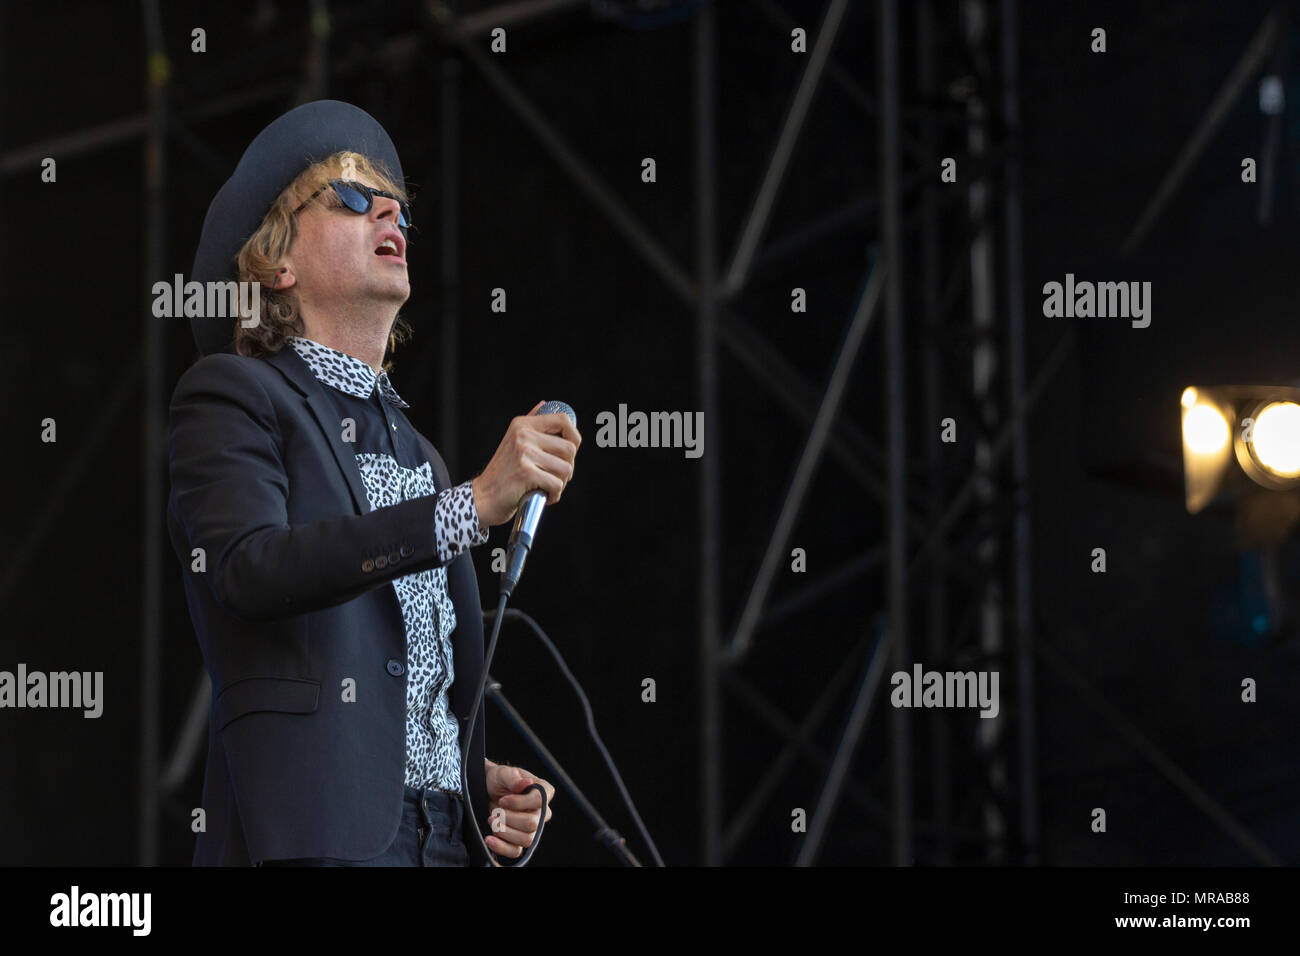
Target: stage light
{"points": [[1260, 424], [1277, 439], [1206, 447], [1205, 429]]}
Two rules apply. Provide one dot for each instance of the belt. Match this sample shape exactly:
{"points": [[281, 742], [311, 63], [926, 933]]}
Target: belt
{"points": [[413, 793]]}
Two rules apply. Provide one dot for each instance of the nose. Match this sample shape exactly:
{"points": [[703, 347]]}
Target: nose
{"points": [[385, 208]]}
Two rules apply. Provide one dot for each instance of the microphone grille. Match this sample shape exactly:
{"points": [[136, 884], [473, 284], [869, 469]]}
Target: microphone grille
{"points": [[550, 408]]}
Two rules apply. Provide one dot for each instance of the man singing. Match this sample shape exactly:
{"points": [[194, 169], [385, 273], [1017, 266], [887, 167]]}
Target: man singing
{"points": [[324, 551]]}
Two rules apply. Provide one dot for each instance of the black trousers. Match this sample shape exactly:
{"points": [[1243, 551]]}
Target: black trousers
{"points": [[429, 835]]}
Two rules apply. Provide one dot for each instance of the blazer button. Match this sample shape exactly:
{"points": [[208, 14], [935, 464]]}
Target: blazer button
{"points": [[367, 565], [381, 562], [396, 667], [393, 557], [407, 550]]}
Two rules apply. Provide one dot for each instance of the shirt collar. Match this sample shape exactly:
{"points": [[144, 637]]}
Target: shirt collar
{"points": [[345, 372]]}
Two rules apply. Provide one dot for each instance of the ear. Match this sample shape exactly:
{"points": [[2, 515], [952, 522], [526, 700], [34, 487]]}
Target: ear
{"points": [[284, 279]]}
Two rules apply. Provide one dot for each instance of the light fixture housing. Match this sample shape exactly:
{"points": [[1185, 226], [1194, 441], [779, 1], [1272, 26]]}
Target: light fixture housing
{"points": [[1258, 425]]}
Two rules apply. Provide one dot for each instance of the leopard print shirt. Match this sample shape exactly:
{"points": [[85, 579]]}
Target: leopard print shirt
{"points": [[432, 731]]}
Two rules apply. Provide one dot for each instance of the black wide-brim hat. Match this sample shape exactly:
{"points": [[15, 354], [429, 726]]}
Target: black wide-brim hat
{"points": [[306, 134]]}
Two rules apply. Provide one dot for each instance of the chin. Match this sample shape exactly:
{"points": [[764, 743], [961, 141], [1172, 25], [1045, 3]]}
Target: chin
{"points": [[393, 292]]}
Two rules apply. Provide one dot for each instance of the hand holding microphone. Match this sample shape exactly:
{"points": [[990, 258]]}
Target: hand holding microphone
{"points": [[529, 471], [536, 454]]}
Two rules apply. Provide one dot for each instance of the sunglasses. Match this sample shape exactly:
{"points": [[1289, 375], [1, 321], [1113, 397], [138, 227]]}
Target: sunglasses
{"points": [[360, 198]]}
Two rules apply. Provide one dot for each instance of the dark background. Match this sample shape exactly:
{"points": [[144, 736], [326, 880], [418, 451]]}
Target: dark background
{"points": [[1163, 639]]}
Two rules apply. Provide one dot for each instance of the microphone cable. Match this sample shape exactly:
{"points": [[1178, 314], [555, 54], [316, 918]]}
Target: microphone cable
{"points": [[499, 615], [464, 757], [591, 723]]}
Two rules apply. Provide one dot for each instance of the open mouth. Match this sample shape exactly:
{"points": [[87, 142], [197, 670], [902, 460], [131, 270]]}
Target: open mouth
{"points": [[388, 248]]}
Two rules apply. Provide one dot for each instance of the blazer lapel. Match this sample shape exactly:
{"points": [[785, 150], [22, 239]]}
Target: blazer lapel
{"points": [[292, 366]]}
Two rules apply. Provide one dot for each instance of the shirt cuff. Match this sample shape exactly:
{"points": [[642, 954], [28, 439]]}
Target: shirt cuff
{"points": [[455, 522]]}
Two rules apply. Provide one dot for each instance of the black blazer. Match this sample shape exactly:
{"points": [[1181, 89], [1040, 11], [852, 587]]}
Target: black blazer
{"points": [[293, 600]]}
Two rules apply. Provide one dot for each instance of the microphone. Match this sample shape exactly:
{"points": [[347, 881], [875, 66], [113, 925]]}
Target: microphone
{"points": [[528, 517]]}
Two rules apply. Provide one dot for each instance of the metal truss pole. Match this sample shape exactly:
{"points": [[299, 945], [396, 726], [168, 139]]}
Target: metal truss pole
{"points": [[984, 373], [852, 736], [895, 357], [756, 224], [711, 754], [1262, 44], [1022, 539], [809, 459], [932, 370], [152, 460]]}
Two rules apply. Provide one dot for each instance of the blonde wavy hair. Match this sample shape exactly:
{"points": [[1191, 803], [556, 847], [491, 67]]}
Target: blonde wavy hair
{"points": [[259, 259]]}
